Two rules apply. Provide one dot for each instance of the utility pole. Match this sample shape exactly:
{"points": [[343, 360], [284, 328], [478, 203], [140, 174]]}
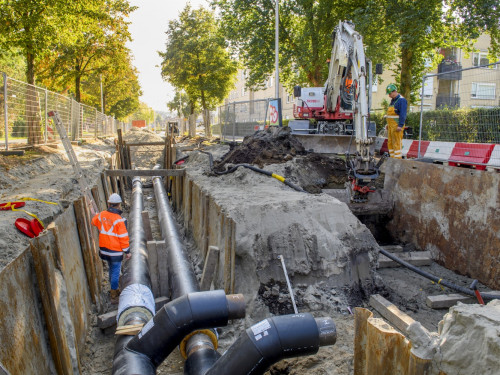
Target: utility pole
{"points": [[276, 50]]}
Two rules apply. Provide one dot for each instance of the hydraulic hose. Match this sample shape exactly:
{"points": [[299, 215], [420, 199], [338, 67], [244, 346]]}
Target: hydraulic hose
{"points": [[273, 339], [436, 279], [255, 169], [178, 318]]}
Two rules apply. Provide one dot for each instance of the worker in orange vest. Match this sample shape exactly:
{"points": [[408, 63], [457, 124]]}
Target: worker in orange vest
{"points": [[113, 241]]}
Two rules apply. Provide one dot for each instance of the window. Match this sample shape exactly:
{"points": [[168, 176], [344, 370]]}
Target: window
{"points": [[243, 91], [375, 85], [481, 58], [483, 91], [289, 98], [428, 87]]}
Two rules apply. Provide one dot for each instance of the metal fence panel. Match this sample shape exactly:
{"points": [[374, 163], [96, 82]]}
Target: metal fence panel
{"points": [[24, 115], [239, 119], [460, 113]]}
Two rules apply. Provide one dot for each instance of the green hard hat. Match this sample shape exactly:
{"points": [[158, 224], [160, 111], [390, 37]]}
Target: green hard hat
{"points": [[390, 88]]}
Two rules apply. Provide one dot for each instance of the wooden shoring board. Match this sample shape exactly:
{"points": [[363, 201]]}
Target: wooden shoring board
{"points": [[153, 267], [161, 251], [144, 172], [146, 224], [391, 312], [209, 268], [94, 243], [105, 186], [83, 226], [52, 290]]}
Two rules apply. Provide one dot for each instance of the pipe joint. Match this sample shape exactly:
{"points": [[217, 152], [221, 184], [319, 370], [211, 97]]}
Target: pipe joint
{"points": [[178, 318], [273, 339]]}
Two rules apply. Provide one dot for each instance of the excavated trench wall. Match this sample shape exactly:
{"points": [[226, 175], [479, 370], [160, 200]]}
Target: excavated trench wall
{"points": [[253, 218], [453, 212], [46, 297]]}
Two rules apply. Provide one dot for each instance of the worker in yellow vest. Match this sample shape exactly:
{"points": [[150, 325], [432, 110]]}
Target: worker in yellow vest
{"points": [[396, 117]]}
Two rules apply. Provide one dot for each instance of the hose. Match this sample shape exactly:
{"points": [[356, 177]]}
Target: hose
{"points": [[436, 279], [255, 169]]}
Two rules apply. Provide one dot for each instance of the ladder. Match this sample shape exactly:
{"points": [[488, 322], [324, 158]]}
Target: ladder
{"points": [[80, 176]]}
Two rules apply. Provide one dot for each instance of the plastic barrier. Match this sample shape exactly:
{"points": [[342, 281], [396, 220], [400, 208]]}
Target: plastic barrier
{"points": [[406, 146], [413, 151], [495, 158], [475, 154], [439, 150]]}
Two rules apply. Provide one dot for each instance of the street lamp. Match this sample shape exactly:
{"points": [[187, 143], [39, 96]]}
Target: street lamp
{"points": [[276, 50]]}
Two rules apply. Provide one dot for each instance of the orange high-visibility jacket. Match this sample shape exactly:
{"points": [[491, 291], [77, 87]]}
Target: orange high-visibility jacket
{"points": [[113, 235]]}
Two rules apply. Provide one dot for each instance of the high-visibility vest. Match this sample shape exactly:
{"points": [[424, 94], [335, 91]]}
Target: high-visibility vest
{"points": [[113, 233]]}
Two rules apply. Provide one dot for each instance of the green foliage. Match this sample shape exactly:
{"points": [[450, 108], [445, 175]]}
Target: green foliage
{"points": [[19, 128], [180, 104], [305, 37], [196, 59], [476, 125]]}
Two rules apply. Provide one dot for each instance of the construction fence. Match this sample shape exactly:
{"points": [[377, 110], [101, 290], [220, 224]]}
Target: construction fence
{"points": [[239, 119], [459, 113], [24, 113]]}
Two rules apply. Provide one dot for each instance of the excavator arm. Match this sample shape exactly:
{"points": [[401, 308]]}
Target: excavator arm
{"points": [[348, 63]]}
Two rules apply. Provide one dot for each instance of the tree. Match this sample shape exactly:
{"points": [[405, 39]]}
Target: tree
{"points": [[408, 32], [196, 60], [180, 104], [305, 37], [102, 32]]}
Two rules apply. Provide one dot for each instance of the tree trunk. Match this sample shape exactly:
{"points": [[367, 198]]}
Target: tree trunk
{"points": [[206, 116], [406, 73], [33, 118], [192, 122], [78, 80]]}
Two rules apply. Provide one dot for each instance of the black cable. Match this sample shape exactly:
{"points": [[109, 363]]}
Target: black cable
{"points": [[255, 169], [436, 279]]}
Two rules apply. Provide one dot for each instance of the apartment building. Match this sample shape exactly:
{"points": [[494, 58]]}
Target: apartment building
{"points": [[470, 88]]}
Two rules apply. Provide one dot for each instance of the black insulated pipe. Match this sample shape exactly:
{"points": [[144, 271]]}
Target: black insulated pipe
{"points": [[274, 339], [135, 272], [180, 272], [178, 318]]}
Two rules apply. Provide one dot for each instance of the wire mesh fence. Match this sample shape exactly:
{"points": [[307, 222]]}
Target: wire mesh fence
{"points": [[460, 114], [25, 121], [239, 119]]}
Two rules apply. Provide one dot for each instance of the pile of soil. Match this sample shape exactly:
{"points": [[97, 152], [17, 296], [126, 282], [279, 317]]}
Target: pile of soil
{"points": [[270, 146]]}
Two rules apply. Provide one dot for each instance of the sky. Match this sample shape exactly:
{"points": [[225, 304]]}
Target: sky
{"points": [[148, 26]]}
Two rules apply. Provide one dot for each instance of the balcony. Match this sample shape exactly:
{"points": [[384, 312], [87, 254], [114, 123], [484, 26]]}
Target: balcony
{"points": [[449, 101], [447, 71]]}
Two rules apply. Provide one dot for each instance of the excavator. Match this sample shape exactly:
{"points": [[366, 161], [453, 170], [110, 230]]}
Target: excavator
{"points": [[342, 107]]}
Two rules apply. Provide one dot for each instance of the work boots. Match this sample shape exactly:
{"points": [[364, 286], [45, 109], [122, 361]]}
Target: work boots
{"points": [[115, 294]]}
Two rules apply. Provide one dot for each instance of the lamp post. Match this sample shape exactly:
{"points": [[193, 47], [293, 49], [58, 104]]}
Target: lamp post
{"points": [[276, 49]]}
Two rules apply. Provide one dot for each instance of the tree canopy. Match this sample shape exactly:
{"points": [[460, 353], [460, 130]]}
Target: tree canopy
{"points": [[399, 32], [196, 59]]}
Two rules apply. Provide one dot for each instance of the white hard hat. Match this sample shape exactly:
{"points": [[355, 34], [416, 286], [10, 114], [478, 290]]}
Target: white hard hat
{"points": [[114, 198]]}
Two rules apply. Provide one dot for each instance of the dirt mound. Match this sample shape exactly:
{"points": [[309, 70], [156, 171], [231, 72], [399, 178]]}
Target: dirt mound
{"points": [[270, 146]]}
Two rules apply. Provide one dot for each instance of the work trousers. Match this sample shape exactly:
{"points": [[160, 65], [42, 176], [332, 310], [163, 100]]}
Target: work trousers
{"points": [[114, 273], [395, 141]]}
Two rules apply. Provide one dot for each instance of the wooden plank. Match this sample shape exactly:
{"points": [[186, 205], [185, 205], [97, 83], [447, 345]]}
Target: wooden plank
{"points": [[94, 247], [161, 250], [129, 330], [209, 268], [85, 243], [135, 144], [390, 312], [105, 186], [146, 224], [153, 267], [144, 172], [393, 248], [233, 255], [12, 153], [227, 256], [445, 301], [52, 289], [109, 319], [416, 258]]}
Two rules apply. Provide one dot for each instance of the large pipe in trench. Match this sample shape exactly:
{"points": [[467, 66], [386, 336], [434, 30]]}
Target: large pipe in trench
{"points": [[201, 348], [136, 304]]}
